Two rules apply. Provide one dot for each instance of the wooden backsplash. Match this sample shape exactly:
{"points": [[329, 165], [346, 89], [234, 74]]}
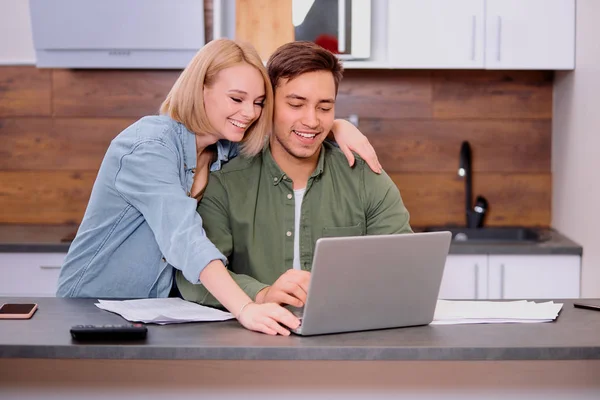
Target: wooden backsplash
{"points": [[55, 126]]}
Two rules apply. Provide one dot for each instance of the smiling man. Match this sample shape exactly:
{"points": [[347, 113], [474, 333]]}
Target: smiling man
{"points": [[265, 213]]}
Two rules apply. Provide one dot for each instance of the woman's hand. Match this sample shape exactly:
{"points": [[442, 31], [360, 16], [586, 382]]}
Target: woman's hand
{"points": [[349, 138], [269, 318]]}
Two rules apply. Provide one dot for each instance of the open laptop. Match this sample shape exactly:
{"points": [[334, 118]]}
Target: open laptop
{"points": [[373, 282]]}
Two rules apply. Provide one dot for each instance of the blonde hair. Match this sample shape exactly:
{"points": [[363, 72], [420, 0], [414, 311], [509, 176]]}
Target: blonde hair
{"points": [[185, 101]]}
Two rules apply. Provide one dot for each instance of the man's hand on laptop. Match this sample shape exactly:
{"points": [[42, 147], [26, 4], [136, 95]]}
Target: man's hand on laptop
{"points": [[291, 288]]}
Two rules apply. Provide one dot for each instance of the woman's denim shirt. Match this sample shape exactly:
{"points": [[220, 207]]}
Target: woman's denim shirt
{"points": [[140, 220]]}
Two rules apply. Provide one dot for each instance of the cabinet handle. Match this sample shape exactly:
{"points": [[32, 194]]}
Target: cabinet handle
{"points": [[498, 50], [50, 266], [473, 36], [476, 281], [502, 281], [342, 26]]}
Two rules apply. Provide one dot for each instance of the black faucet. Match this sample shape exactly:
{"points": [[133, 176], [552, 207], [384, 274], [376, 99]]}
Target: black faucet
{"points": [[465, 171], [473, 216]]}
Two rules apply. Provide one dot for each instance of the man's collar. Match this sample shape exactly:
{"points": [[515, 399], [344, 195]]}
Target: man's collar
{"points": [[278, 175]]}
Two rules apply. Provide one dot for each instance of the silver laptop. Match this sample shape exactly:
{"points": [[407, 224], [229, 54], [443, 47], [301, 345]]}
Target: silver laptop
{"points": [[373, 282]]}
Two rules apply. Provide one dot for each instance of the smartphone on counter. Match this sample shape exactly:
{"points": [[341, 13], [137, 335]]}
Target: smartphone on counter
{"points": [[17, 311], [587, 306]]}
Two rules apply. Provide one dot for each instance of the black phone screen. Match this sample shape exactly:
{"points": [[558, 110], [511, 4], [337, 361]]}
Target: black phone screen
{"points": [[16, 308]]}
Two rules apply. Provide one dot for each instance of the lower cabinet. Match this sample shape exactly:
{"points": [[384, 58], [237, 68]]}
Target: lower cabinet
{"points": [[465, 277], [30, 274], [511, 277], [478, 276]]}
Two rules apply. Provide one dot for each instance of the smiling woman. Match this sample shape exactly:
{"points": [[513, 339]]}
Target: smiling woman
{"points": [[141, 220], [235, 100]]}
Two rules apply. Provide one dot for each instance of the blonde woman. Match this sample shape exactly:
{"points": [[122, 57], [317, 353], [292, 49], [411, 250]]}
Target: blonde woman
{"points": [[141, 219]]}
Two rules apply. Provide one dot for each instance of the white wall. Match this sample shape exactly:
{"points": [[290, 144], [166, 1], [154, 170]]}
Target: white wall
{"points": [[16, 44], [576, 147]]}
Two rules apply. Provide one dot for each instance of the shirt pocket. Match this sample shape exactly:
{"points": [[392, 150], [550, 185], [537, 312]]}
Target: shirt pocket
{"points": [[341, 231]]}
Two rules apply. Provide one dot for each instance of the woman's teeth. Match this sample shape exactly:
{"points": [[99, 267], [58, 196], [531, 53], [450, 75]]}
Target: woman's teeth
{"points": [[238, 124], [305, 135]]}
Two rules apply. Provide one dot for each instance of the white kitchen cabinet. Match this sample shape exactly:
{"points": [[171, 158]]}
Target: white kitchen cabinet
{"points": [[30, 274], [491, 34], [530, 34], [465, 277], [511, 277], [436, 33], [534, 276]]}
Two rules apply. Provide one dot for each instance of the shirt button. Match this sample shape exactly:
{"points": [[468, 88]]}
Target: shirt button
{"points": [[274, 179], [189, 194], [164, 259], [193, 170], [289, 196], [288, 233]]}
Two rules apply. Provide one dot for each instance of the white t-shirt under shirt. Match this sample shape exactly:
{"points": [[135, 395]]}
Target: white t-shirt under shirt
{"points": [[298, 196]]}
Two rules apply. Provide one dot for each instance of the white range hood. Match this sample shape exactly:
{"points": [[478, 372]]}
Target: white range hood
{"points": [[116, 33]]}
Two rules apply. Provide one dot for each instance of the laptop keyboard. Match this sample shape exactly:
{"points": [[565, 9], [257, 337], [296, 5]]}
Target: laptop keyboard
{"points": [[297, 311]]}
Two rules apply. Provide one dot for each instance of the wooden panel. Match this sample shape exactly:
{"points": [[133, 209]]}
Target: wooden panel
{"points": [[44, 197], [415, 119], [434, 145], [432, 199], [267, 24], [385, 94], [56, 144], [110, 93], [514, 199], [24, 91], [208, 20], [492, 94]]}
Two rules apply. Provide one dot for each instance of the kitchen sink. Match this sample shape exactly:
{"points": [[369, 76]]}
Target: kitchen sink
{"points": [[490, 234]]}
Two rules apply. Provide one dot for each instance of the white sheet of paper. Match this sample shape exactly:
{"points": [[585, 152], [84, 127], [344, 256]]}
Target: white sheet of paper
{"points": [[448, 312], [163, 311]]}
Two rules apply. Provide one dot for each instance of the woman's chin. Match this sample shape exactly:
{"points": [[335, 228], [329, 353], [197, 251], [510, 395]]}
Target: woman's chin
{"points": [[234, 136]]}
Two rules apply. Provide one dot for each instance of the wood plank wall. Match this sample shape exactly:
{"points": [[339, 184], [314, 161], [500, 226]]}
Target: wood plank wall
{"points": [[55, 126]]}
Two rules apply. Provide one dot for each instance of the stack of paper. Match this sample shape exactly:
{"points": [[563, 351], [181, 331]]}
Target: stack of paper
{"points": [[488, 312], [163, 311]]}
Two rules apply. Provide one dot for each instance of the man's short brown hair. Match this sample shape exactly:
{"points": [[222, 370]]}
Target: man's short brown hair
{"points": [[296, 58]]}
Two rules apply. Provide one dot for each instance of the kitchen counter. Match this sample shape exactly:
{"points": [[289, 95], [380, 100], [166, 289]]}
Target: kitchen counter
{"points": [[36, 238], [221, 360], [553, 242], [573, 336], [55, 239]]}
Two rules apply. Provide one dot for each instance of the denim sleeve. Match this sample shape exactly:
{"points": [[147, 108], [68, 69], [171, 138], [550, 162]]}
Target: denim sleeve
{"points": [[214, 209], [148, 179]]}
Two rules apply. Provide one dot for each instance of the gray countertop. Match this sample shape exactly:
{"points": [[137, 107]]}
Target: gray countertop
{"points": [[553, 243], [574, 335], [36, 238], [51, 239]]}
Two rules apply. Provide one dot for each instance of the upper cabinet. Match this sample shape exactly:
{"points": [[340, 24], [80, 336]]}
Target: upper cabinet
{"points": [[530, 34], [476, 34], [436, 33]]}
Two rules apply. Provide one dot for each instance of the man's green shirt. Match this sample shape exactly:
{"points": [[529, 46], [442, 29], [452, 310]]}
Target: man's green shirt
{"points": [[248, 213]]}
